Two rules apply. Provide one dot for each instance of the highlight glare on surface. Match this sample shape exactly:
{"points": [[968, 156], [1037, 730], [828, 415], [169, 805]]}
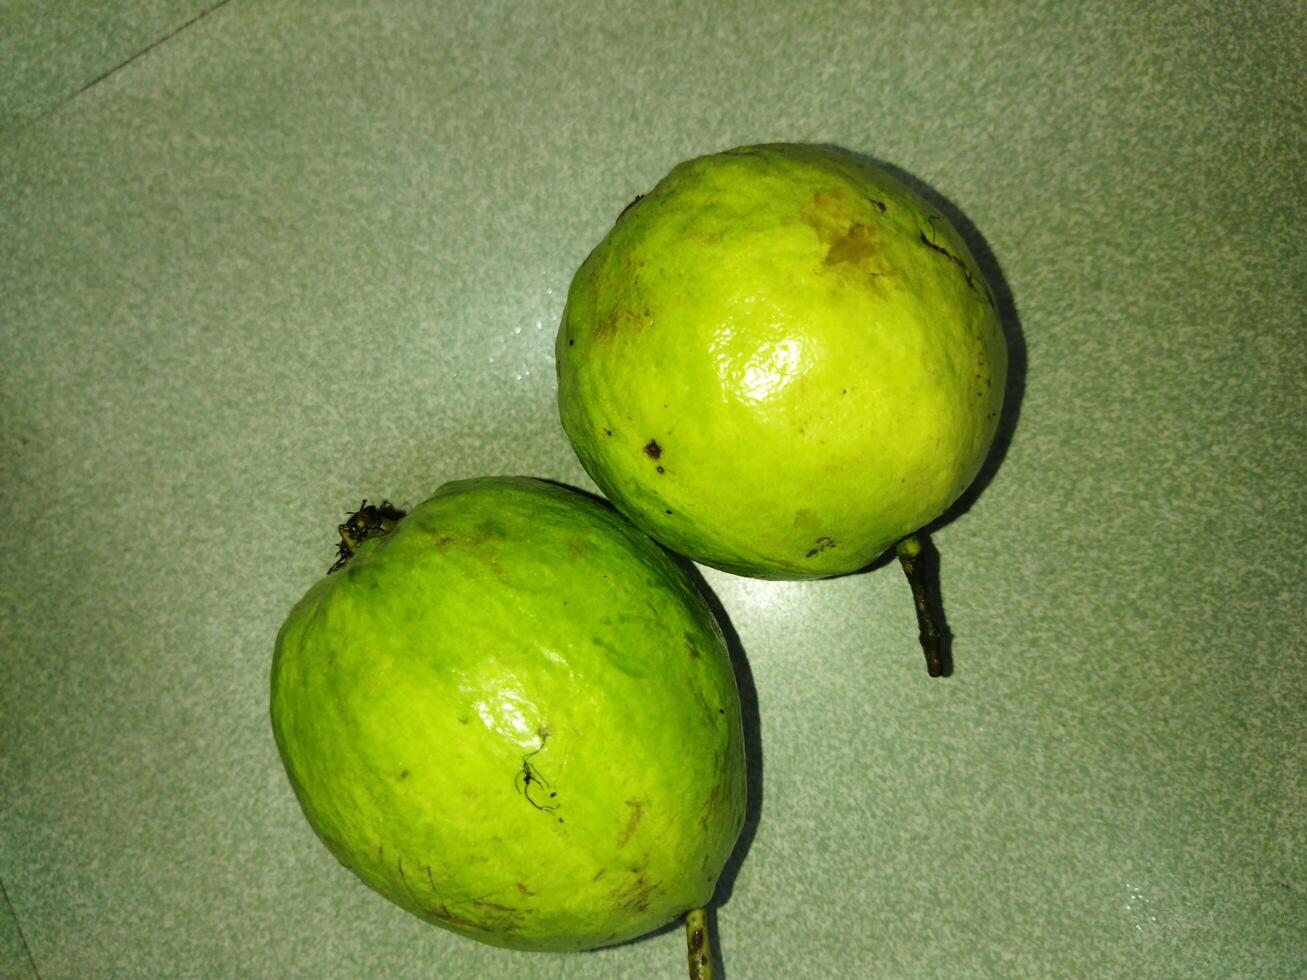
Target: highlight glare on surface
{"points": [[761, 372]]}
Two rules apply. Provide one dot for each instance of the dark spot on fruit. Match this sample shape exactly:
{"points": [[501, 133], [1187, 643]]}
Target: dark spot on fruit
{"points": [[879, 204], [404, 774], [653, 450], [823, 543], [667, 512], [523, 889], [571, 343], [599, 874], [696, 941], [660, 469], [608, 432], [462, 720], [721, 711]]}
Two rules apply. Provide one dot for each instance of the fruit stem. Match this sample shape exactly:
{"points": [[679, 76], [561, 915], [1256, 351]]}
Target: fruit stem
{"points": [[699, 943], [915, 555], [369, 521]]}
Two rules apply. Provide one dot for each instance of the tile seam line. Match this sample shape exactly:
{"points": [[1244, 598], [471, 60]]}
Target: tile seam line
{"points": [[121, 65], [18, 926]]}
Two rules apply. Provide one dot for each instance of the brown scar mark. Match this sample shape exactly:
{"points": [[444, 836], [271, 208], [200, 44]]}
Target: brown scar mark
{"points": [[635, 896], [608, 432], [879, 204], [696, 942], [653, 450], [442, 914], [714, 798], [855, 245], [523, 889], [823, 543], [966, 269], [599, 874], [496, 907], [637, 811], [604, 326], [622, 319], [430, 878]]}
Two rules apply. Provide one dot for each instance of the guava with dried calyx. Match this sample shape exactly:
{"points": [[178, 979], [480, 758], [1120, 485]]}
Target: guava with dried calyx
{"points": [[512, 714], [780, 362]]}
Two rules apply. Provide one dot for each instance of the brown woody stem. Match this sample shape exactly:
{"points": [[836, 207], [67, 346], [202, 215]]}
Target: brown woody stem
{"points": [[915, 559]]}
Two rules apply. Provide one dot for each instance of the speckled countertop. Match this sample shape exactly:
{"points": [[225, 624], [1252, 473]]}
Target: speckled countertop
{"points": [[289, 255]]}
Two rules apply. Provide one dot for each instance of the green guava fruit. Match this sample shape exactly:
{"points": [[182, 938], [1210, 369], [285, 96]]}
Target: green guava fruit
{"points": [[780, 362], [513, 715]]}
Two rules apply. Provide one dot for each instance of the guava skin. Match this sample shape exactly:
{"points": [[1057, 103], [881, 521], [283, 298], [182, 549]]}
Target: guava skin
{"points": [[515, 716], [780, 361]]}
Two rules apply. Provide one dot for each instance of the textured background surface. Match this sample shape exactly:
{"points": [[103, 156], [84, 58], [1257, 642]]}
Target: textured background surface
{"points": [[297, 254]]}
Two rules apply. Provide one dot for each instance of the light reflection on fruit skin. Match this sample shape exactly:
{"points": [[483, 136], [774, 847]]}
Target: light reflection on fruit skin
{"points": [[509, 715]]}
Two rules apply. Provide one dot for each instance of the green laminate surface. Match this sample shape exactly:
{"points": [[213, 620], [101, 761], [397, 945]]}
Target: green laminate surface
{"points": [[51, 52], [299, 254]]}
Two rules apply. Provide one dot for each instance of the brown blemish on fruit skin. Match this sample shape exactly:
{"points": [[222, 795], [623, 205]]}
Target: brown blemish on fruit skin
{"points": [[637, 812], [852, 246], [709, 808], [599, 874], [653, 450], [823, 544], [604, 327], [965, 269], [524, 890], [634, 897], [856, 245], [496, 907], [620, 320]]}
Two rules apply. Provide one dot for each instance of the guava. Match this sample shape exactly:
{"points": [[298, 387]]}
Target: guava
{"points": [[780, 362], [512, 714]]}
